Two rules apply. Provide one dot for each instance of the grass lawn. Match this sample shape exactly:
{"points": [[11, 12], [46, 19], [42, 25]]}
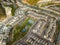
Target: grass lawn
{"points": [[18, 34], [18, 30]]}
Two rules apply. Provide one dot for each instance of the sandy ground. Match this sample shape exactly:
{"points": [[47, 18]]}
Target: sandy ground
{"points": [[8, 14], [2, 17]]}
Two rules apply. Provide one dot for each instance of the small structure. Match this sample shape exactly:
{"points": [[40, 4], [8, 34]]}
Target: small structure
{"points": [[24, 30], [31, 21]]}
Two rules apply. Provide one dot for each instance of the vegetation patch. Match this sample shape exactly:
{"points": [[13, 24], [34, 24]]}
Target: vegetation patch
{"points": [[2, 13], [32, 2], [20, 31]]}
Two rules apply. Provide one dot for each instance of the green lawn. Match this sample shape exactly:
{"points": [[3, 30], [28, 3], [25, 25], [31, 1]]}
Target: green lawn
{"points": [[18, 34], [18, 30]]}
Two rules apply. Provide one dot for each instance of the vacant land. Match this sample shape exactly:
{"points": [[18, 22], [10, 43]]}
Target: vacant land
{"points": [[32, 2], [2, 13]]}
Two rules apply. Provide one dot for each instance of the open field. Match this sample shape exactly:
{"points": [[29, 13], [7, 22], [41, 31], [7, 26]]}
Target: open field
{"points": [[2, 13]]}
